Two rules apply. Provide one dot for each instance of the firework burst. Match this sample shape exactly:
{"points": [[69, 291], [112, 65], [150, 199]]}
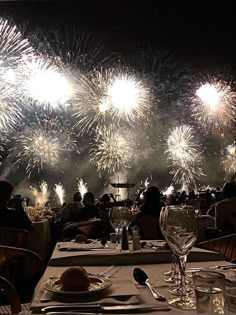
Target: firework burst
{"points": [[4, 139], [46, 83], [13, 47], [182, 147], [10, 112], [112, 150], [44, 142], [214, 104], [186, 174], [111, 97], [229, 160], [185, 155]]}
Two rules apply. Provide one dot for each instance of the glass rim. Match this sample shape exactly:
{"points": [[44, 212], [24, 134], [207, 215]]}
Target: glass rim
{"points": [[203, 274]]}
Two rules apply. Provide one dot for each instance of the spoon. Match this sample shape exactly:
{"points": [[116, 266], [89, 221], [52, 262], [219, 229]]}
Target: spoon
{"points": [[142, 278]]}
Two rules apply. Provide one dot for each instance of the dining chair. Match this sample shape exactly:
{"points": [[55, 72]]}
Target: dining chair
{"points": [[22, 268], [16, 237], [88, 228], [225, 245], [10, 300]]}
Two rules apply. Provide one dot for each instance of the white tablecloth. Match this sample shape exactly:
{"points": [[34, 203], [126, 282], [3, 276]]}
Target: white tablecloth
{"points": [[155, 272]]}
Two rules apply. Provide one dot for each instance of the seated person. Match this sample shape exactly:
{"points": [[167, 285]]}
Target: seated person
{"points": [[68, 208], [148, 217], [11, 217], [89, 211]]}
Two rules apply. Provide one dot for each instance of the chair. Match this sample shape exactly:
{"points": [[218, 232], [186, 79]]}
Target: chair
{"points": [[10, 300], [22, 268], [10, 236], [88, 228], [225, 245]]}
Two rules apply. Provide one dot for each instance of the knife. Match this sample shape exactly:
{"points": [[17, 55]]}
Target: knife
{"points": [[98, 308], [222, 267], [81, 249]]}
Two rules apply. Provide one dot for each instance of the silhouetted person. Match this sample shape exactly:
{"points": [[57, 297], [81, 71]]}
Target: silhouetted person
{"points": [[77, 198], [148, 217], [10, 217]]}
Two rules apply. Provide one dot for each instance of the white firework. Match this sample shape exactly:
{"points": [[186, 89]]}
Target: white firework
{"points": [[182, 147], [82, 186], [41, 196], [186, 174], [229, 160], [46, 83], [60, 192], [214, 104], [44, 143], [13, 46], [111, 97], [10, 111], [112, 150], [184, 154], [4, 139]]}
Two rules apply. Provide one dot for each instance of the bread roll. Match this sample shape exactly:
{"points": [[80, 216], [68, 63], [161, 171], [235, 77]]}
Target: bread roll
{"points": [[75, 279]]}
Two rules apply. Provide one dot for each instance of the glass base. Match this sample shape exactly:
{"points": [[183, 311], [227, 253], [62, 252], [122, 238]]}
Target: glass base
{"points": [[183, 304], [167, 273], [178, 290]]}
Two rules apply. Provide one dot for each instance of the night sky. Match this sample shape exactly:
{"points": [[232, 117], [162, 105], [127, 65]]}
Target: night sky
{"points": [[202, 32]]}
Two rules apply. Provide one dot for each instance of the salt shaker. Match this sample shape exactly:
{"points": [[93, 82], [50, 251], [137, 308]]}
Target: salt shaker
{"points": [[136, 238]]}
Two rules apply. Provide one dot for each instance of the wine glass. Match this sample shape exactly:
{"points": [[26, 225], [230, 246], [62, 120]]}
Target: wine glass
{"points": [[119, 217], [179, 227]]}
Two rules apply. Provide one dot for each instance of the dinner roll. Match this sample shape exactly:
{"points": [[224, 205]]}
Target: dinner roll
{"points": [[75, 279]]}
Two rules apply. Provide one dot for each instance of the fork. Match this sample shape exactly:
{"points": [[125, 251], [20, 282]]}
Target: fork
{"points": [[110, 271]]}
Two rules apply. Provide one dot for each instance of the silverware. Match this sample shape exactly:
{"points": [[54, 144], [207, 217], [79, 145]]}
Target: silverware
{"points": [[109, 272], [222, 267], [82, 249], [98, 308], [142, 278]]}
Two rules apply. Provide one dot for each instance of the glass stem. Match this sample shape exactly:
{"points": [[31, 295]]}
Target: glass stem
{"points": [[182, 266]]}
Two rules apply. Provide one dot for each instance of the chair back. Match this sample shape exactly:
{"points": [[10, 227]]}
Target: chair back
{"points": [[22, 268], [9, 296], [10, 236], [88, 228], [225, 245]]}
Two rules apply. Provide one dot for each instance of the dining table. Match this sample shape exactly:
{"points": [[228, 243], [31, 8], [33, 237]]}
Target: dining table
{"points": [[124, 289]]}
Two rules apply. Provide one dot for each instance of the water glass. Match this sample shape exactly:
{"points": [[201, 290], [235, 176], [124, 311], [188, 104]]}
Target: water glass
{"points": [[230, 297], [209, 287]]}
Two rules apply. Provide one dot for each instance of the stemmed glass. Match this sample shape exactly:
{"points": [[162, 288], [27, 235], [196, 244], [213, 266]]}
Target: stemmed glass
{"points": [[119, 217], [179, 227]]}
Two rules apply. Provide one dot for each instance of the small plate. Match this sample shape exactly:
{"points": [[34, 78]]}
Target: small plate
{"points": [[97, 284]]}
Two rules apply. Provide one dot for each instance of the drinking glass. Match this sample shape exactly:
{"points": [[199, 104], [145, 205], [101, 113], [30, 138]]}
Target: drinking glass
{"points": [[230, 297], [179, 227], [209, 287], [119, 217]]}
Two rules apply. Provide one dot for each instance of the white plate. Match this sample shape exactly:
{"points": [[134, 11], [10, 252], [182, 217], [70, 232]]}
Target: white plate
{"points": [[97, 284]]}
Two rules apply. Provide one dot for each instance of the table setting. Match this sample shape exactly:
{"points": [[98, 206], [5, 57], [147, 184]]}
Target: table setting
{"points": [[135, 285]]}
